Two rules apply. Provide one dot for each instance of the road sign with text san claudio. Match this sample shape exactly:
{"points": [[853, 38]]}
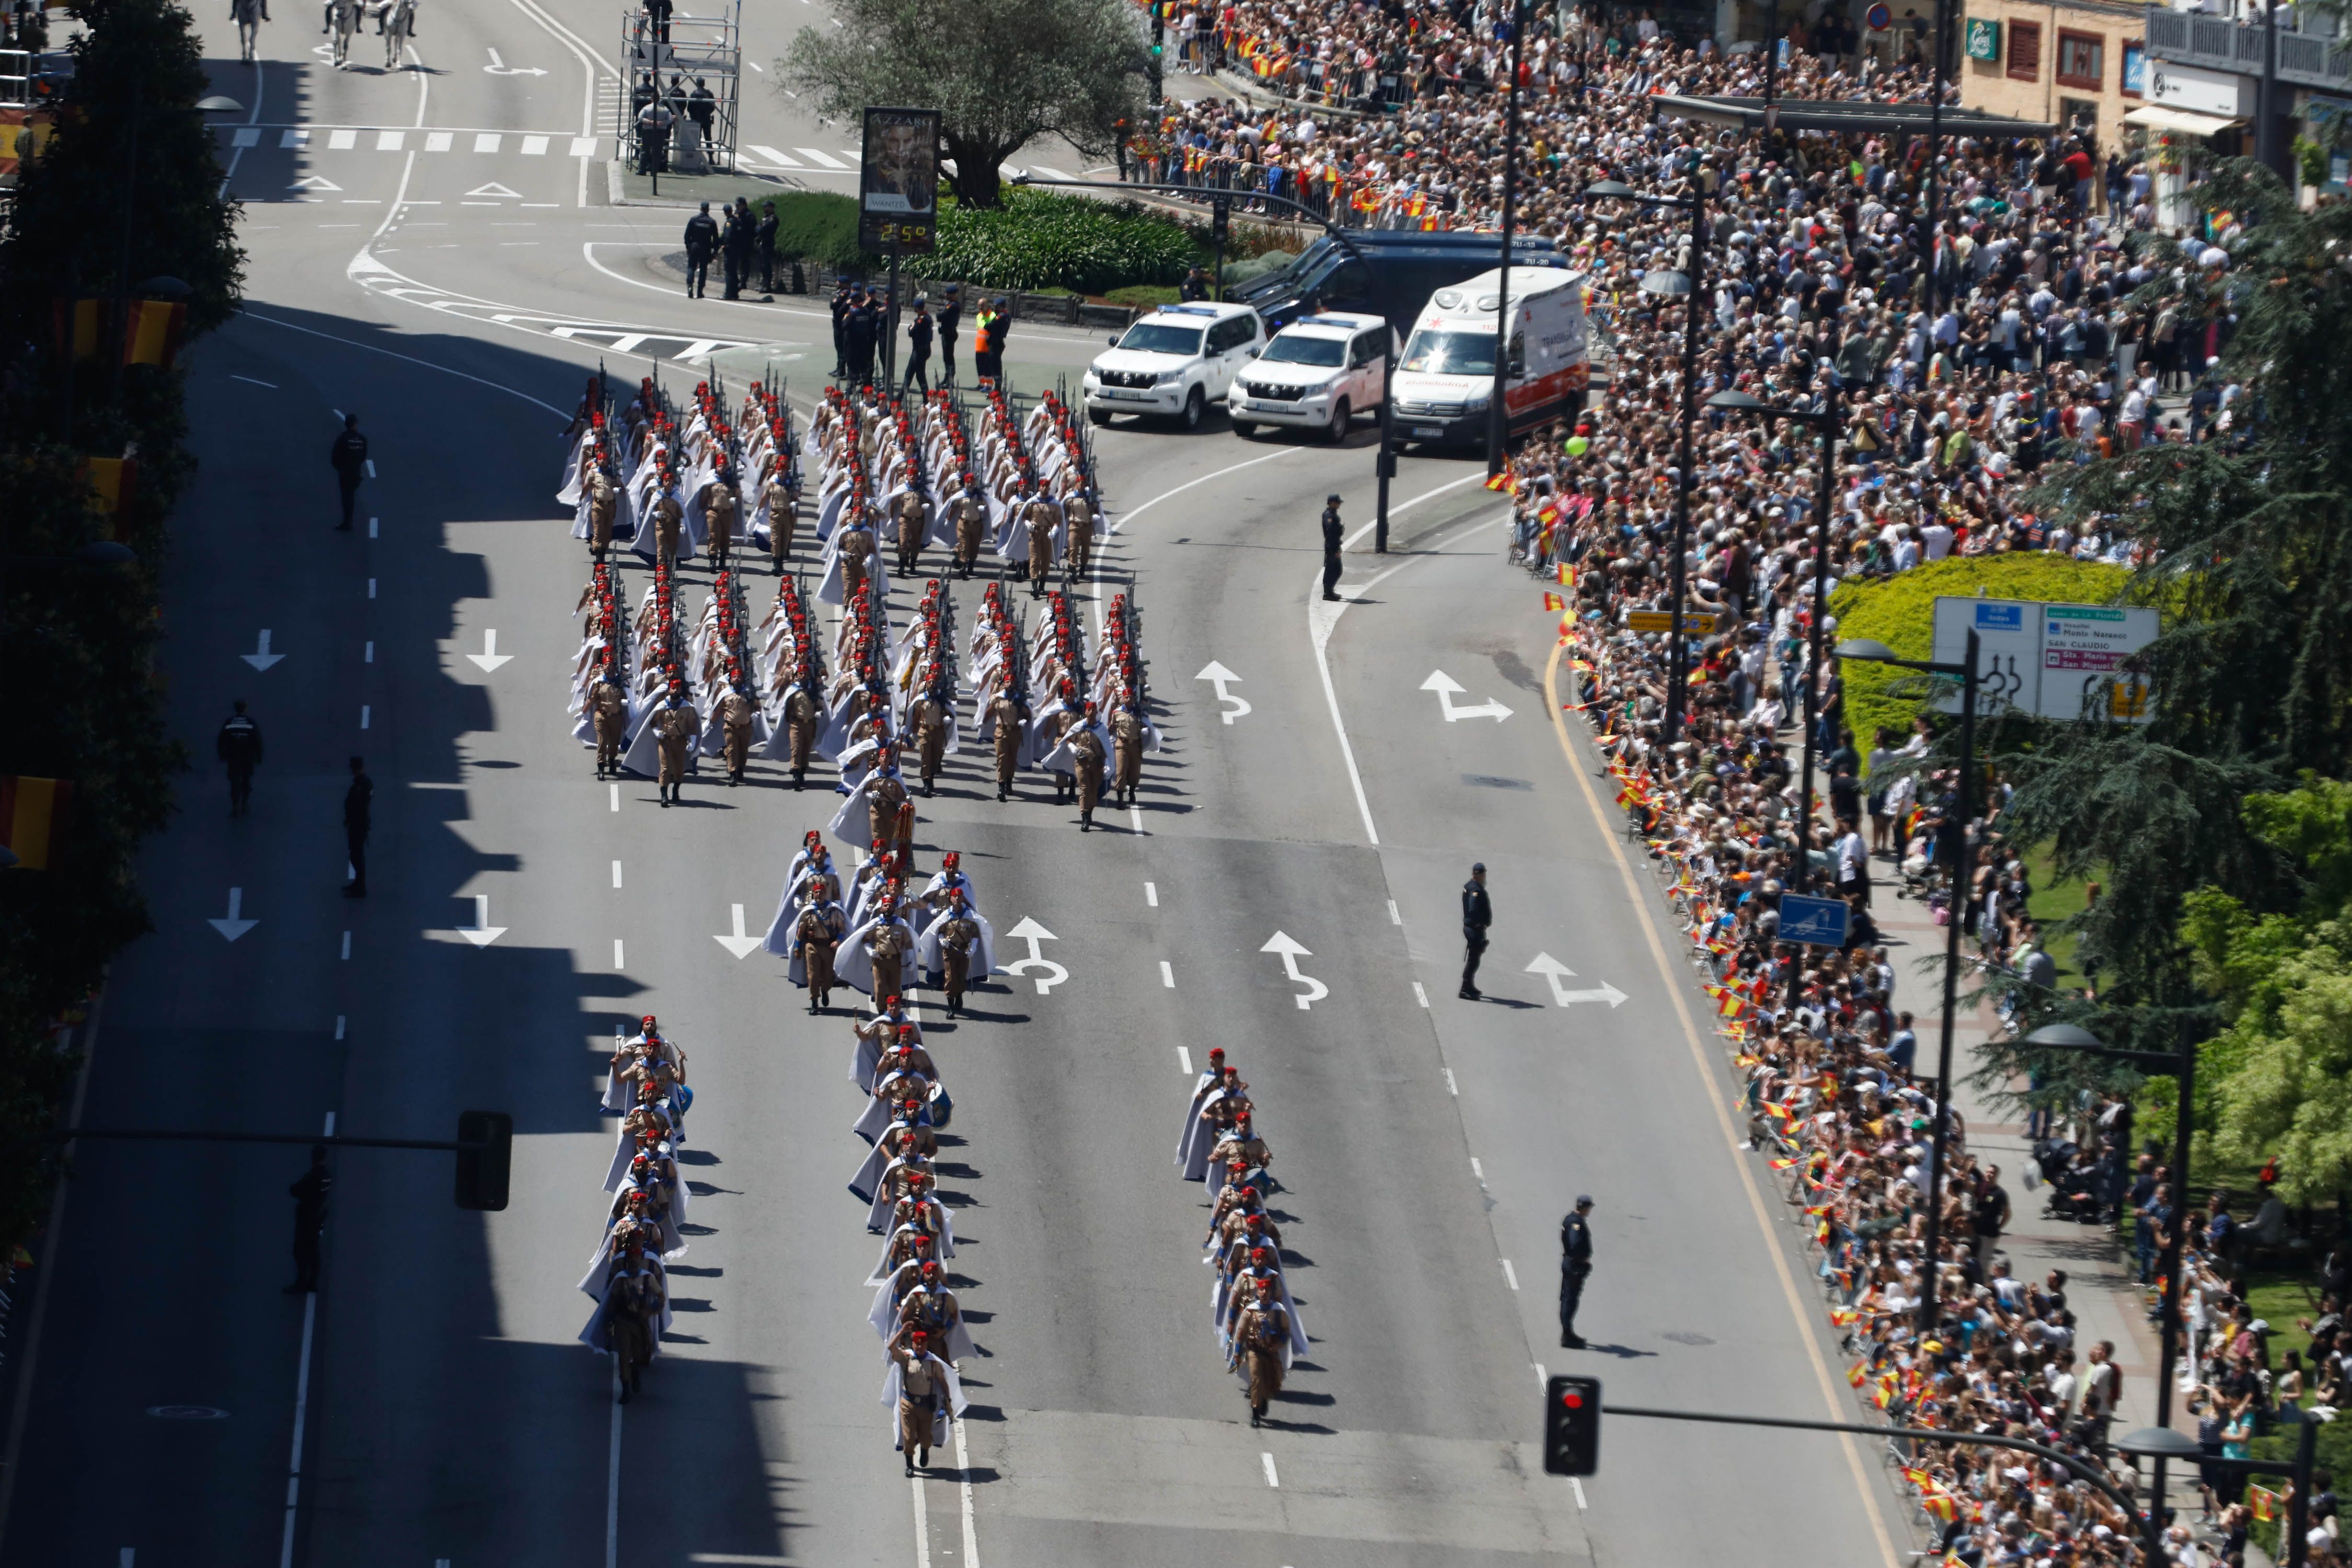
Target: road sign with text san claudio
{"points": [[2055, 661]]}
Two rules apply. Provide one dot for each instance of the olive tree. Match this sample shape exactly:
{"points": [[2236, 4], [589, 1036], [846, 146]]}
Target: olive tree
{"points": [[1001, 72]]}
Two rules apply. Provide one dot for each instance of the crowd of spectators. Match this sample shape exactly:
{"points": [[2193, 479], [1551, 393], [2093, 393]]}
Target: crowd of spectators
{"points": [[1964, 356]]}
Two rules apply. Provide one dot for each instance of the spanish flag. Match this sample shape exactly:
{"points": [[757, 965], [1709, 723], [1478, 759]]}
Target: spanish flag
{"points": [[33, 819], [78, 324], [1501, 481], [1783, 1165], [1554, 602], [1938, 1505], [1844, 1316], [2266, 1502], [1566, 575], [151, 332], [110, 483], [1858, 1374]]}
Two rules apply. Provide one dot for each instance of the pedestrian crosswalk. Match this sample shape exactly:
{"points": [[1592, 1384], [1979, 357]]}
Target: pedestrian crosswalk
{"points": [[352, 138], [811, 159]]}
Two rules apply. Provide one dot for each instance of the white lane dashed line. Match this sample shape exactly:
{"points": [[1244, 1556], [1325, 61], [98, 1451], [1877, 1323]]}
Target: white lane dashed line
{"points": [[371, 527], [364, 711], [617, 962], [273, 386], [616, 865], [368, 657], [1184, 1061], [922, 1526], [1394, 919], [1152, 894], [1476, 1169], [1543, 1378], [1419, 994], [1510, 1274], [1271, 1480], [339, 1026], [347, 947], [1580, 1493], [1167, 975], [370, 587], [1450, 1088], [616, 797]]}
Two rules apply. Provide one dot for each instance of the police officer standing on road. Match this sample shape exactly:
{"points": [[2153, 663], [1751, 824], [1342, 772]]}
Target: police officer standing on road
{"points": [[309, 1194], [1575, 1266], [950, 318], [1332, 535], [763, 243], [359, 805], [702, 240], [737, 244], [1477, 914], [239, 747], [918, 346], [349, 456], [857, 331], [842, 299]]}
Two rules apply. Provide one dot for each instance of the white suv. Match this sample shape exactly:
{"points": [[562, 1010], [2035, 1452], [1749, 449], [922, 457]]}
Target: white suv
{"points": [[1319, 372], [1177, 360]]}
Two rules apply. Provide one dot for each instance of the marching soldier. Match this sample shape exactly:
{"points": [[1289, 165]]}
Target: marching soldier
{"points": [[959, 934], [608, 699], [886, 946], [669, 516], [735, 712], [1126, 752], [1038, 516], [815, 934], [970, 523], [603, 501], [1260, 1336], [1087, 752], [783, 507], [857, 546], [1079, 548], [676, 728], [719, 513], [922, 1397], [1009, 713], [907, 513], [887, 804], [802, 718], [929, 720]]}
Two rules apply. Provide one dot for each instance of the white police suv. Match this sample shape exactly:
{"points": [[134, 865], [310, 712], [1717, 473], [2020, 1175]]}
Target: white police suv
{"points": [[1176, 360], [1318, 373]]}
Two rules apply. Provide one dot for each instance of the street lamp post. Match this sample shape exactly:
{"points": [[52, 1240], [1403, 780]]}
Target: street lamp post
{"points": [[1499, 416], [1385, 468], [1824, 420], [2182, 1064], [1688, 285], [1870, 651]]}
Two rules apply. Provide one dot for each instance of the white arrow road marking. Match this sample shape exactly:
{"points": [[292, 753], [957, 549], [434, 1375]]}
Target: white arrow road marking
{"points": [[1030, 931], [314, 183], [482, 933], [232, 927], [499, 68], [1218, 676], [1447, 689], [1558, 974], [489, 658], [261, 658], [739, 944], [1291, 952], [494, 189]]}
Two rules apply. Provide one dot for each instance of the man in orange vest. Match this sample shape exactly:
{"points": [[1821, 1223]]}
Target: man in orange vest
{"points": [[988, 343]]}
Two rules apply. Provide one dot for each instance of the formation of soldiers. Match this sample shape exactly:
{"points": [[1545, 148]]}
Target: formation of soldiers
{"points": [[670, 490], [1219, 1146], [627, 1276]]}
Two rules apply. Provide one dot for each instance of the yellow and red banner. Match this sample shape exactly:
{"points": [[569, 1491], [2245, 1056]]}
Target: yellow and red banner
{"points": [[110, 483], [151, 332]]}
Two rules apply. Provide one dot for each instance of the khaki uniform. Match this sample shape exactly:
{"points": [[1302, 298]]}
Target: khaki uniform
{"points": [[856, 547], [919, 1398], [735, 712], [603, 501], [1127, 752], [675, 729], [1012, 720], [1079, 549], [1040, 519], [784, 517], [957, 937], [929, 722], [1258, 1338], [907, 513], [719, 513], [886, 806], [1086, 750], [667, 519], [801, 715], [888, 946], [813, 939], [970, 523], [610, 705]]}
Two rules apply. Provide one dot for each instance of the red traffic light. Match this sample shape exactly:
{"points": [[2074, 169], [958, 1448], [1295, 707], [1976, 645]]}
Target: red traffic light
{"points": [[1573, 1399], [1572, 1427]]}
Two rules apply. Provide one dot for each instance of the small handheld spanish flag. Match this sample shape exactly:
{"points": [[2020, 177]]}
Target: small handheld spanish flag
{"points": [[1858, 1374], [33, 819], [1554, 602], [1566, 575]]}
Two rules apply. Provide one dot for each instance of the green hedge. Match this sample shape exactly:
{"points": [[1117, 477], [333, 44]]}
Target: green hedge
{"points": [[1040, 240], [1900, 611]]}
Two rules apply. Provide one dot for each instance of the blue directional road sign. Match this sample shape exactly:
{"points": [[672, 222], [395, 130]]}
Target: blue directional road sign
{"points": [[1819, 921]]}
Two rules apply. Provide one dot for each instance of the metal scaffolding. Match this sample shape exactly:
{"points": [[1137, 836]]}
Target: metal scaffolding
{"points": [[704, 48]]}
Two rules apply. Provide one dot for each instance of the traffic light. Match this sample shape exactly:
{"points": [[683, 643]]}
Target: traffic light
{"points": [[1159, 36], [1572, 1425], [485, 1156]]}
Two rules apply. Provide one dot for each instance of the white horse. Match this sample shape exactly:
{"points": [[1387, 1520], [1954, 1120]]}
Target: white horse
{"points": [[396, 23], [248, 14], [343, 21]]}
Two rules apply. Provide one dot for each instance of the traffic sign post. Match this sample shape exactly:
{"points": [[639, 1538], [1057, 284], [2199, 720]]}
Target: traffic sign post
{"points": [[1817, 923]]}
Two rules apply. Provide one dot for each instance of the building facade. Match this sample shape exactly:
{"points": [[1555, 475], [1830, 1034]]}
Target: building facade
{"points": [[2067, 62]]}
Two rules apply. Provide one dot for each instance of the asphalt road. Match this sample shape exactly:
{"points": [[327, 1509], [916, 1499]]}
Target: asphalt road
{"points": [[433, 1400]]}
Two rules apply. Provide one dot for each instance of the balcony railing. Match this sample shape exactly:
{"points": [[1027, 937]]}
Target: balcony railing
{"points": [[2185, 37]]}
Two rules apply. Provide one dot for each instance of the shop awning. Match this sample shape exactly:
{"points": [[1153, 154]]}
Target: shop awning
{"points": [[1860, 117], [2187, 122]]}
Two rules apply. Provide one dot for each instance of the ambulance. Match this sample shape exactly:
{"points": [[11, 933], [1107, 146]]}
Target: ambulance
{"points": [[1445, 381]]}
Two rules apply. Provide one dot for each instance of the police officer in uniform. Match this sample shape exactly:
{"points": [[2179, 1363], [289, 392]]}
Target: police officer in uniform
{"points": [[359, 816], [309, 1194], [918, 346], [701, 242], [950, 318], [1575, 1267], [1332, 534], [349, 456], [1477, 914], [238, 746]]}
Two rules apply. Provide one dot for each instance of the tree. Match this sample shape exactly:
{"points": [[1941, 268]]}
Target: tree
{"points": [[1002, 72]]}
